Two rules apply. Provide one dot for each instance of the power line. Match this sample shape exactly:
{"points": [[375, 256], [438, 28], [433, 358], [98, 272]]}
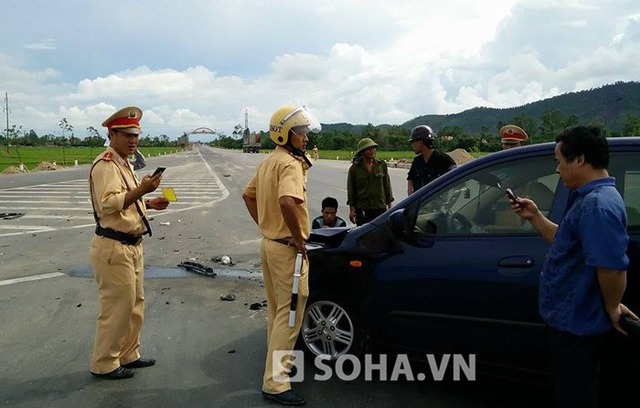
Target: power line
{"points": [[6, 109], [602, 105]]}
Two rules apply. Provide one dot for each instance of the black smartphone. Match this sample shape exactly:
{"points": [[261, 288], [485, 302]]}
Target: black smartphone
{"points": [[512, 196], [632, 327], [159, 170]]}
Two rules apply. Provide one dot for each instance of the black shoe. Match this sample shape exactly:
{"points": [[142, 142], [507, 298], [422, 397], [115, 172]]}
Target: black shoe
{"points": [[140, 363], [117, 374], [289, 397]]}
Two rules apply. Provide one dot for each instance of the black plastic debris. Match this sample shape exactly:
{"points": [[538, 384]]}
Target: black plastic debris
{"points": [[255, 306], [198, 268], [10, 216]]}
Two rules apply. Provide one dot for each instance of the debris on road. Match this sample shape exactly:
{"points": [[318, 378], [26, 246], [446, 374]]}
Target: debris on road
{"points": [[229, 297], [258, 306], [198, 268], [11, 216], [224, 259]]}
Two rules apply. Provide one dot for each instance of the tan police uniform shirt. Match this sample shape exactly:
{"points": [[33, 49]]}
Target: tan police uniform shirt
{"points": [[111, 178], [280, 174]]}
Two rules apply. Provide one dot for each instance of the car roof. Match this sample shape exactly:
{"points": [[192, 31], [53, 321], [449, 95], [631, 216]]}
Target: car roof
{"points": [[616, 144], [631, 143]]}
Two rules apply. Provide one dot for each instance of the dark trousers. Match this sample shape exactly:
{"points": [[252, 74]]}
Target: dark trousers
{"points": [[364, 216], [575, 368]]}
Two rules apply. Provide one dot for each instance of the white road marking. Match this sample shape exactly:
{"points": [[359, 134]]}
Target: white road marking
{"points": [[27, 227], [250, 241], [31, 278], [67, 204]]}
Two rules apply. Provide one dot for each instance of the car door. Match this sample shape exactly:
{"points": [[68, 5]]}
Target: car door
{"points": [[466, 279], [625, 167]]}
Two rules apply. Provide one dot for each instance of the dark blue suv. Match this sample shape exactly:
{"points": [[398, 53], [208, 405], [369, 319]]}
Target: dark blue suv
{"points": [[451, 269]]}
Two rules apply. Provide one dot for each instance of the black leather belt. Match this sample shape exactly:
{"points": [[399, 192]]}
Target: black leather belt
{"points": [[284, 241], [126, 239]]}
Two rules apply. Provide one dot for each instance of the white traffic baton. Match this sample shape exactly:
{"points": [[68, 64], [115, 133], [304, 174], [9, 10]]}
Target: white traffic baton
{"points": [[294, 291]]}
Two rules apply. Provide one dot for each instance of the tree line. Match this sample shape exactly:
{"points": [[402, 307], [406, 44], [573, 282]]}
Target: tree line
{"points": [[67, 137], [395, 137], [345, 137]]}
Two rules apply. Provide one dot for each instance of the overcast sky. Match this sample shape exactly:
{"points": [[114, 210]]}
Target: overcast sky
{"points": [[194, 63]]}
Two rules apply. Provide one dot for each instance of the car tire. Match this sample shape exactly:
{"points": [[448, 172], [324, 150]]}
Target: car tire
{"points": [[330, 328]]}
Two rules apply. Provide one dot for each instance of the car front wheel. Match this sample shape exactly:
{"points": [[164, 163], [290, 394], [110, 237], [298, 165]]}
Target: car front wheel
{"points": [[329, 329]]}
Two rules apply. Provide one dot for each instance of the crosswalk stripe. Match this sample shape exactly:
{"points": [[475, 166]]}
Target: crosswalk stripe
{"points": [[66, 205]]}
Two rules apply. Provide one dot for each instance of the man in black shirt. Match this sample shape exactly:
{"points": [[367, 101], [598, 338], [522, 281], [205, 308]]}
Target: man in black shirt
{"points": [[429, 163], [328, 219]]}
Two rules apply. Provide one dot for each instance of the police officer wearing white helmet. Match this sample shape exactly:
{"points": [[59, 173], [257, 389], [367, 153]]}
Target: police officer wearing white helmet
{"points": [[276, 199], [429, 163]]}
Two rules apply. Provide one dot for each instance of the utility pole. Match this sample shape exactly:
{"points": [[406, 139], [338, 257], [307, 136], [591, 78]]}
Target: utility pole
{"points": [[6, 109], [246, 121]]}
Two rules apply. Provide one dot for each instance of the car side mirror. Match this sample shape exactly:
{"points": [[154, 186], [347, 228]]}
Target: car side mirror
{"points": [[398, 222]]}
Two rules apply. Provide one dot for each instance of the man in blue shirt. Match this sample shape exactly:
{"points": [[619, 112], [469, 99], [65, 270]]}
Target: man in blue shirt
{"points": [[584, 275]]}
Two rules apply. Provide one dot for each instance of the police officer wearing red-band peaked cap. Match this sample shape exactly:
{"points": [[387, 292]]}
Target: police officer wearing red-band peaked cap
{"points": [[117, 197], [126, 120], [512, 136]]}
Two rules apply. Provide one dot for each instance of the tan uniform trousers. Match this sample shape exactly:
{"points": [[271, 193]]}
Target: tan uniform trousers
{"points": [[118, 270], [278, 262]]}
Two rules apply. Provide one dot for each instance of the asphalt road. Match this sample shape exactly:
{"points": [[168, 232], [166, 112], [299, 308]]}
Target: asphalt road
{"points": [[210, 352]]}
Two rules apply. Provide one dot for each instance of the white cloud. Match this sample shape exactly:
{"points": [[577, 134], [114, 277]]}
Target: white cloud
{"points": [[44, 44], [203, 63]]}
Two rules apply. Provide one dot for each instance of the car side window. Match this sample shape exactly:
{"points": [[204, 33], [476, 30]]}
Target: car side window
{"points": [[476, 204], [625, 167], [632, 199]]}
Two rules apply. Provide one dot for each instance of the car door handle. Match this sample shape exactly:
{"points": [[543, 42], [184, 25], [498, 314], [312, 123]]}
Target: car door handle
{"points": [[515, 265], [516, 262]]}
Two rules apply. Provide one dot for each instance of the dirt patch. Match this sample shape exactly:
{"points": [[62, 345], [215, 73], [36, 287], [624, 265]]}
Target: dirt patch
{"points": [[46, 166], [460, 156], [12, 170]]}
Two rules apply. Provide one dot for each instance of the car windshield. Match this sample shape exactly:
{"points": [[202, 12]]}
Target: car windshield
{"points": [[477, 204]]}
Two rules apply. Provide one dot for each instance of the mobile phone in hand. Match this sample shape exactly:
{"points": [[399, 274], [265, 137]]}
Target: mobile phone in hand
{"points": [[512, 196], [159, 170], [632, 327]]}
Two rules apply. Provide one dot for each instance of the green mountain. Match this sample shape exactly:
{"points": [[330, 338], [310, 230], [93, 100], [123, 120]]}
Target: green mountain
{"points": [[608, 105]]}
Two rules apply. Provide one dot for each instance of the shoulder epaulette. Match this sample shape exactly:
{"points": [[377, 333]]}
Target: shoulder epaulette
{"points": [[108, 156]]}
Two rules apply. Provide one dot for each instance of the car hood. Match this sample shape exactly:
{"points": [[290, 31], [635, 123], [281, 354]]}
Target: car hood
{"points": [[328, 237]]}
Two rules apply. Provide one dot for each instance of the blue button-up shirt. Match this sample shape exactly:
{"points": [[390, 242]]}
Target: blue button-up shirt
{"points": [[592, 235]]}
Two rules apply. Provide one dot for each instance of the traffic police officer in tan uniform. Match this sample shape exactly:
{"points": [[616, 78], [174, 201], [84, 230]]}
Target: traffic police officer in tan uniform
{"points": [[276, 199], [512, 136], [116, 249]]}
